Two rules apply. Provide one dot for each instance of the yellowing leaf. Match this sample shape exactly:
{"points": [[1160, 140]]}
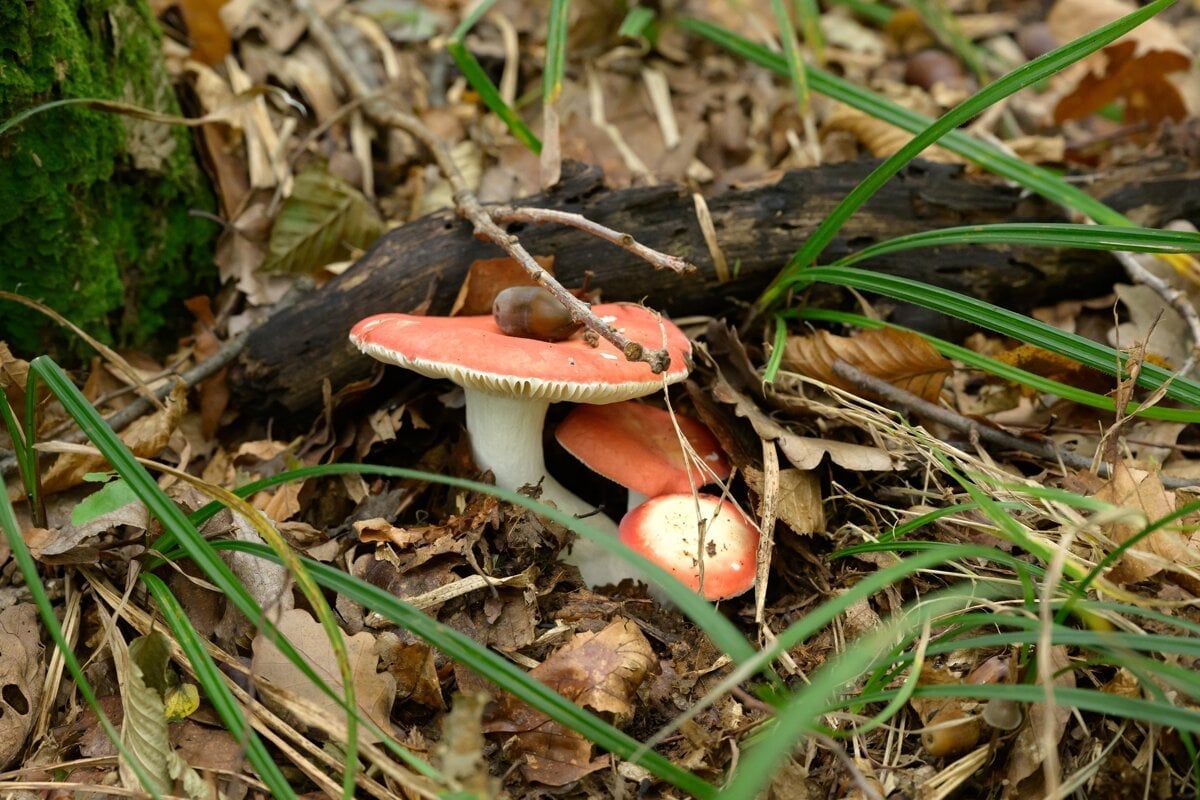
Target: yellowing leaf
{"points": [[901, 358], [322, 220]]}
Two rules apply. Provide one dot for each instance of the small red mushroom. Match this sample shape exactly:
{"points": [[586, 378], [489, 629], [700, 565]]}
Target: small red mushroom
{"points": [[667, 531], [637, 446]]}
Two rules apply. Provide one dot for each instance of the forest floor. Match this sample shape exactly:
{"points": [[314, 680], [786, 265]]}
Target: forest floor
{"points": [[867, 447]]}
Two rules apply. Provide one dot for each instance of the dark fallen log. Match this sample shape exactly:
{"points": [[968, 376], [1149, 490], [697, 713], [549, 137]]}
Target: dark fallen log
{"points": [[287, 359]]}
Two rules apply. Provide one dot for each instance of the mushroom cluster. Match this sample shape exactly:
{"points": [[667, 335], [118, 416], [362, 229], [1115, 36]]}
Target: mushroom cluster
{"points": [[642, 448], [509, 382]]}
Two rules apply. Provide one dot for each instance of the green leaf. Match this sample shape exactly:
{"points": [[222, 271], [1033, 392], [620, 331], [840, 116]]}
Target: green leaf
{"points": [[322, 219], [105, 500]]}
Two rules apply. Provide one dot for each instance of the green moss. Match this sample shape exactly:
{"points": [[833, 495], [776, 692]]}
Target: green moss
{"points": [[94, 207]]}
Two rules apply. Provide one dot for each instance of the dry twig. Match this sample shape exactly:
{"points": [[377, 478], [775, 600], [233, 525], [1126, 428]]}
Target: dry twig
{"points": [[973, 429], [465, 202]]}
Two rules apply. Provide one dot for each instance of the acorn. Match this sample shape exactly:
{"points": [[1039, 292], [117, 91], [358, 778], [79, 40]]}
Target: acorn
{"points": [[531, 312], [951, 732], [930, 67]]}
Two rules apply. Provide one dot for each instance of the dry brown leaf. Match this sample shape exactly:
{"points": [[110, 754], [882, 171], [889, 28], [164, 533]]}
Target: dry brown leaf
{"points": [[1138, 80], [1144, 492], [1122, 76], [804, 452], [146, 437], [13, 374], [901, 358], [487, 277], [601, 671], [1070, 19], [279, 504], [210, 40], [800, 505], [374, 690], [880, 138], [413, 666], [21, 672]]}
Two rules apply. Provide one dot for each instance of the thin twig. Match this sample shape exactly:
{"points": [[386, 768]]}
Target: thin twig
{"points": [[220, 359], [973, 429], [465, 201], [1173, 297], [623, 240]]}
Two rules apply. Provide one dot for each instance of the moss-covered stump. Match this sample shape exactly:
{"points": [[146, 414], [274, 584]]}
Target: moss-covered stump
{"points": [[94, 206]]}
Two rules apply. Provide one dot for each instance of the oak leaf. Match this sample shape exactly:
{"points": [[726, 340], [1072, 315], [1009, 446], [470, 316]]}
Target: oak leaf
{"points": [[901, 358], [600, 671]]}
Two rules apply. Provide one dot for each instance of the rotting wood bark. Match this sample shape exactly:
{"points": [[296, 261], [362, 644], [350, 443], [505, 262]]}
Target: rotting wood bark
{"points": [[289, 357]]}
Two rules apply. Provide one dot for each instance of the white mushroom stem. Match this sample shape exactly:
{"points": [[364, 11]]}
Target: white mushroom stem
{"points": [[506, 438]]}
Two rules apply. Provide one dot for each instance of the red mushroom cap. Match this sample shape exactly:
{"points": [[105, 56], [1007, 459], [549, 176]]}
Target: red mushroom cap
{"points": [[636, 445], [474, 352], [665, 530]]}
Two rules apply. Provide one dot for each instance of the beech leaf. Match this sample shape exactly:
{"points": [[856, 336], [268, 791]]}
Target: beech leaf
{"points": [[319, 223], [901, 358]]}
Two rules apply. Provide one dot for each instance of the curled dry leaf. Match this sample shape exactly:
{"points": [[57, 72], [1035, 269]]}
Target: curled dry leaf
{"points": [[21, 671], [878, 137], [901, 358], [804, 452], [601, 671], [1144, 492]]}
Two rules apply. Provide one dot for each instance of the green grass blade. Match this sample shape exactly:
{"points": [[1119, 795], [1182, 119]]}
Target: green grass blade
{"points": [[1025, 75], [791, 53], [1038, 234], [482, 84], [556, 51], [1040, 181], [1008, 323], [809, 14], [213, 683], [11, 529], [800, 713], [173, 519], [1002, 370], [495, 668]]}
